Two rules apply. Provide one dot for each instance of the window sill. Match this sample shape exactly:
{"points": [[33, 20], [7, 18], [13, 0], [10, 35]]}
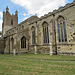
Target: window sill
{"points": [[46, 44], [62, 43], [33, 45], [23, 48]]}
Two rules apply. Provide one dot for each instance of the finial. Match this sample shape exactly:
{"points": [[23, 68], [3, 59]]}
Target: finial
{"points": [[16, 12], [7, 8]]}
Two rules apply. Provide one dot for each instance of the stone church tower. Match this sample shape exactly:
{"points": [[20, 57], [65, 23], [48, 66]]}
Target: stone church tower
{"points": [[9, 20]]}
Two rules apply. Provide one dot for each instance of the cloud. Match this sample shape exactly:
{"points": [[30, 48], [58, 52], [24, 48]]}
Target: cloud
{"points": [[1, 14], [1, 24], [26, 14], [40, 7]]}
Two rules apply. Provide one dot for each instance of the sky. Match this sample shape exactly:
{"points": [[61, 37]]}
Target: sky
{"points": [[28, 8]]}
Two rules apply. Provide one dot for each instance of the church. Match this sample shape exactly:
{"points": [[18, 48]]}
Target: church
{"points": [[53, 33]]}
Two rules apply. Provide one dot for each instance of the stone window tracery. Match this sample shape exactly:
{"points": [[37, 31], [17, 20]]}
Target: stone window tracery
{"points": [[45, 33], [62, 35], [23, 42]]}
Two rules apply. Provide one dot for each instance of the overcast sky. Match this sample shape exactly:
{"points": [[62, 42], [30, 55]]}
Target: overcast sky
{"points": [[27, 8]]}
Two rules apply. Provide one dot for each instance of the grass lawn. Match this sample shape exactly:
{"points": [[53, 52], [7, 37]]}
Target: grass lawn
{"points": [[22, 65]]}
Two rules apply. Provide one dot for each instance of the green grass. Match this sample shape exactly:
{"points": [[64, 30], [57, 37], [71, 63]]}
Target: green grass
{"points": [[18, 65]]}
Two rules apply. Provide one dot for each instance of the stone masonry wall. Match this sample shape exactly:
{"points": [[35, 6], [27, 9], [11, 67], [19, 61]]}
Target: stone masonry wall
{"points": [[1, 45]]}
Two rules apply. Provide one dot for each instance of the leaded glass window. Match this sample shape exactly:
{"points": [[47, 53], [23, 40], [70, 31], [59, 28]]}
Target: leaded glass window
{"points": [[62, 35], [45, 33], [23, 42]]}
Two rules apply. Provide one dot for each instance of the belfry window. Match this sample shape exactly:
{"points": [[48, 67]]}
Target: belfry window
{"points": [[23, 42], [11, 21], [45, 33], [33, 36], [62, 35]]}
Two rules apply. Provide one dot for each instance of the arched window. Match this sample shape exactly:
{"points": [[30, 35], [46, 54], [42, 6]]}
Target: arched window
{"points": [[12, 43], [11, 21], [45, 33], [23, 42], [33, 36], [62, 35]]}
